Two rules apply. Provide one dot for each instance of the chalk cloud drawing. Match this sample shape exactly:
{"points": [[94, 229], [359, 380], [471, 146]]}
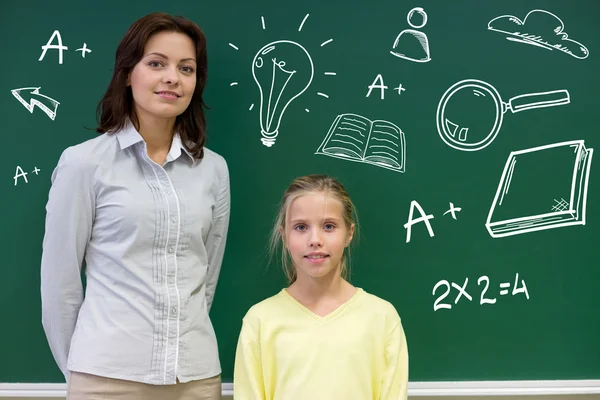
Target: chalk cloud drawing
{"points": [[355, 138], [541, 188], [412, 44], [31, 97], [539, 28], [283, 70], [470, 113]]}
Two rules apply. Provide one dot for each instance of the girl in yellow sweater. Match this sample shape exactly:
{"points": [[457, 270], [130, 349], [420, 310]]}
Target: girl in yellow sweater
{"points": [[321, 338]]}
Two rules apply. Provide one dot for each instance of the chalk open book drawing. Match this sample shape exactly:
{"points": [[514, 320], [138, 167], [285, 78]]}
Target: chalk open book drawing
{"points": [[541, 188], [539, 28], [356, 138]]}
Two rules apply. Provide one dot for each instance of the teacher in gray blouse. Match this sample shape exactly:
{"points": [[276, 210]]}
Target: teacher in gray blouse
{"points": [[146, 206]]}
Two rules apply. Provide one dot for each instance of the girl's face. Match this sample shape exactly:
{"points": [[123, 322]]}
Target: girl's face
{"points": [[316, 235], [164, 80]]}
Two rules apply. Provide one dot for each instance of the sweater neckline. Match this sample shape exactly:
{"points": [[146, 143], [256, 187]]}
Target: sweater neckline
{"points": [[332, 314]]}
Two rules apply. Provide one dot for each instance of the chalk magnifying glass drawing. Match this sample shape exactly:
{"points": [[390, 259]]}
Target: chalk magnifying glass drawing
{"points": [[470, 113]]}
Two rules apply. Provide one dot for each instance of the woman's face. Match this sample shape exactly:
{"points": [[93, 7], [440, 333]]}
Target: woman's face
{"points": [[164, 80]]}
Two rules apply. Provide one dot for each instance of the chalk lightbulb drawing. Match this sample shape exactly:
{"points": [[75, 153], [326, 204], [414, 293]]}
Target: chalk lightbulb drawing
{"points": [[282, 70]]}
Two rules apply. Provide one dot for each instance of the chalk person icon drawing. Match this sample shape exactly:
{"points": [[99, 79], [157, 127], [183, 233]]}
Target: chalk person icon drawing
{"points": [[412, 44]]}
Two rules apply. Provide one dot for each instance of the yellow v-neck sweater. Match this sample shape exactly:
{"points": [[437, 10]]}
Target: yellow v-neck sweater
{"points": [[286, 352]]}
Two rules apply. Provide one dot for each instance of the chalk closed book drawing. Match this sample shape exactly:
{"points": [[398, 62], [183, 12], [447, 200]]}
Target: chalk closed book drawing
{"points": [[541, 188], [356, 138]]}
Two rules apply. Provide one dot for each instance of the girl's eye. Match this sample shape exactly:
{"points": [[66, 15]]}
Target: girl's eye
{"points": [[300, 227], [329, 227]]}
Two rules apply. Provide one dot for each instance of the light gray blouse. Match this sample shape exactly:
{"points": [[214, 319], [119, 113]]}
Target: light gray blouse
{"points": [[152, 238]]}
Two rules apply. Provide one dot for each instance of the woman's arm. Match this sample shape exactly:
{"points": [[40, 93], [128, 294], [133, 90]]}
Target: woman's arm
{"points": [[217, 236], [69, 218]]}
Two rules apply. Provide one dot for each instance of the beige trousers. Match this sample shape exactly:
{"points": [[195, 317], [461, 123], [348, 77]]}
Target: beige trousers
{"points": [[92, 387]]}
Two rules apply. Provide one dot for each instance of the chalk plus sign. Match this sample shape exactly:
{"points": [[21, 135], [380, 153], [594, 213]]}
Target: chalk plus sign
{"points": [[452, 210], [84, 50], [36, 170], [399, 89]]}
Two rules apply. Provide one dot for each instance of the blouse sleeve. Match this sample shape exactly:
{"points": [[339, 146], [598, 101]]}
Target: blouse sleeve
{"points": [[217, 236], [395, 377], [69, 217]]}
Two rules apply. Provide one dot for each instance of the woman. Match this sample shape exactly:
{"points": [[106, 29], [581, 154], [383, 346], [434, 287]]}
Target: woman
{"points": [[146, 206]]}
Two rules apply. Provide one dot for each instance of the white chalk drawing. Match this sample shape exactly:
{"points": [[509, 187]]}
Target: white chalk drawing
{"points": [[59, 46], [302, 23], [283, 70], [423, 218], [470, 113], [355, 138], [31, 97], [84, 50], [412, 44], [19, 173], [452, 210], [541, 188], [483, 295], [400, 89], [377, 84], [539, 28]]}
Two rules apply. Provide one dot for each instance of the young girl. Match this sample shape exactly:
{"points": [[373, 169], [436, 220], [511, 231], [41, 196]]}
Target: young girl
{"points": [[321, 338], [146, 206]]}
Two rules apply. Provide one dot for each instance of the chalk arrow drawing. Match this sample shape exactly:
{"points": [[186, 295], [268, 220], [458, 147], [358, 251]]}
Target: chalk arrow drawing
{"points": [[35, 98]]}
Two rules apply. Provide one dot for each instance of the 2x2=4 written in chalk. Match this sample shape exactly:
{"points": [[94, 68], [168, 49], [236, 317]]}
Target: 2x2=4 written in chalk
{"points": [[483, 284]]}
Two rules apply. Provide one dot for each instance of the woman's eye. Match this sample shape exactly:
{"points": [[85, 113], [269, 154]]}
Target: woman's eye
{"points": [[154, 64], [188, 70]]}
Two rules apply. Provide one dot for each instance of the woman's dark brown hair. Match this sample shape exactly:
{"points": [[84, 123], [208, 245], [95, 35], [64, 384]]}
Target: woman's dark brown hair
{"points": [[116, 105]]}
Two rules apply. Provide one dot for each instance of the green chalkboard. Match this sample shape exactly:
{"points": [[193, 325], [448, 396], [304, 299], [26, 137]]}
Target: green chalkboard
{"points": [[478, 118]]}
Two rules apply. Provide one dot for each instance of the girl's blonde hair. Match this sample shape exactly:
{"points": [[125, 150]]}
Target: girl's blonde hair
{"points": [[301, 186]]}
